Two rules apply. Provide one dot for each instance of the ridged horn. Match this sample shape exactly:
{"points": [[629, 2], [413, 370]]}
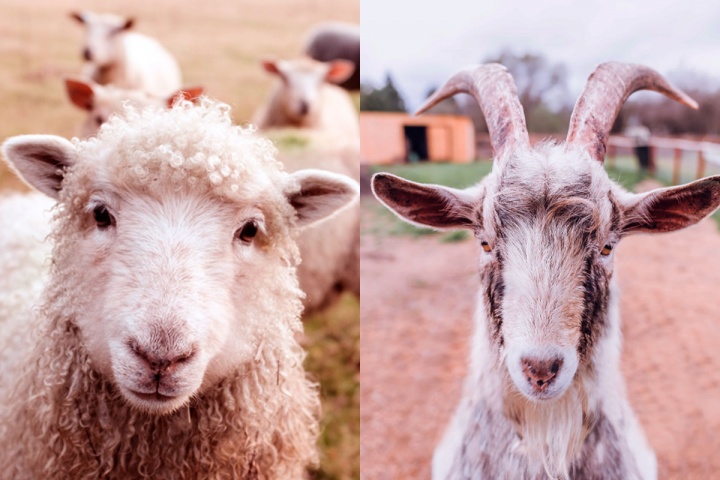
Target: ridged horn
{"points": [[605, 93], [494, 89]]}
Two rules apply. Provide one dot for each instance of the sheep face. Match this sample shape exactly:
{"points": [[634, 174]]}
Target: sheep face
{"points": [[547, 221], [178, 249], [101, 31], [302, 80]]}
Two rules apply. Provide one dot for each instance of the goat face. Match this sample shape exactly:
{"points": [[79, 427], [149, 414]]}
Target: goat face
{"points": [[547, 219]]}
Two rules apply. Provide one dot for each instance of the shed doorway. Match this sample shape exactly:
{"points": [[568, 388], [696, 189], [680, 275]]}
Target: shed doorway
{"points": [[416, 147]]}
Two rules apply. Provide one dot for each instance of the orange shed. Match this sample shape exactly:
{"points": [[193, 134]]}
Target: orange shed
{"points": [[389, 137]]}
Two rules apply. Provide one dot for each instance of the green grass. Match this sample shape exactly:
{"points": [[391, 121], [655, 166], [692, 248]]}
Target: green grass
{"points": [[332, 340]]}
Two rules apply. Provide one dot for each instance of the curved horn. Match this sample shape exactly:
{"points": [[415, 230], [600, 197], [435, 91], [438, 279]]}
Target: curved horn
{"points": [[606, 90], [494, 89]]}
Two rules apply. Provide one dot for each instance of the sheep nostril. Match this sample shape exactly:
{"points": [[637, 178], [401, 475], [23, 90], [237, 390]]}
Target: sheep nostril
{"points": [[87, 55], [304, 108]]}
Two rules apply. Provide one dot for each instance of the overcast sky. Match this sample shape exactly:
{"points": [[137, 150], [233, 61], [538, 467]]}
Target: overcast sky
{"points": [[423, 42]]}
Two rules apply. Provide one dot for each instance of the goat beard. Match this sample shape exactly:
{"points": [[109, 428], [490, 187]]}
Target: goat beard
{"points": [[550, 433]]}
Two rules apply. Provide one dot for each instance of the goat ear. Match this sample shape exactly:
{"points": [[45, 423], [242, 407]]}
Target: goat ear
{"points": [[77, 16], [339, 71], [40, 160], [423, 205], [673, 208], [321, 195], [190, 93], [81, 94]]}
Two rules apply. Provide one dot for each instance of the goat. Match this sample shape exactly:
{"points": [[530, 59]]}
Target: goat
{"points": [[544, 394]]}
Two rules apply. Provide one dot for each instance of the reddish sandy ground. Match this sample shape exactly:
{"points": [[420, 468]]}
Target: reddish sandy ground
{"points": [[417, 299]]}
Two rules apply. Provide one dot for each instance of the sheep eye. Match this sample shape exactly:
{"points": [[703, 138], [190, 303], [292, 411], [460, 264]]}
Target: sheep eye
{"points": [[99, 121], [486, 246], [103, 218], [247, 232], [606, 250]]}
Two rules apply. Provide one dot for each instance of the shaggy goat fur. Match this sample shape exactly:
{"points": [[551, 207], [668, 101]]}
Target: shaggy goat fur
{"points": [[66, 416]]}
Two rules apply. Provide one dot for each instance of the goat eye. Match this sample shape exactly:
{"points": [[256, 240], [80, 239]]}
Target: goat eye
{"points": [[247, 232], [606, 250], [486, 246], [103, 218]]}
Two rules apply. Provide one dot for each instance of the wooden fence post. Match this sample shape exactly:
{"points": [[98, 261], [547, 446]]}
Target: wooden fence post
{"points": [[676, 166]]}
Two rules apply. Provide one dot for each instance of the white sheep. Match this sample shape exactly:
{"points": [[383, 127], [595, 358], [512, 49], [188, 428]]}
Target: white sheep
{"points": [[24, 253], [115, 55], [304, 97], [165, 341], [544, 394], [103, 101]]}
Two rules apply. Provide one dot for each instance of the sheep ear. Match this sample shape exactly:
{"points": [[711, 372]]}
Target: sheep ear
{"points": [[272, 67], [191, 94], [340, 70], [78, 17], [673, 208], [81, 94], [40, 160], [321, 195], [423, 205]]}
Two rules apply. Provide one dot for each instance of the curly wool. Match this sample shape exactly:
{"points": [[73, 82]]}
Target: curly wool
{"points": [[63, 419]]}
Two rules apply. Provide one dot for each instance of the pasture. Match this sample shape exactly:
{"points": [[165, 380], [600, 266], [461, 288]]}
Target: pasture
{"points": [[418, 296], [218, 44]]}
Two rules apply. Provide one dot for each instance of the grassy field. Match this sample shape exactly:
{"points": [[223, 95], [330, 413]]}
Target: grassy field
{"points": [[218, 44], [459, 175]]}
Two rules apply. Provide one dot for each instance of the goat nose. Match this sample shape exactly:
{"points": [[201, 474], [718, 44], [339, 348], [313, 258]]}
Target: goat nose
{"points": [[86, 54], [540, 373]]}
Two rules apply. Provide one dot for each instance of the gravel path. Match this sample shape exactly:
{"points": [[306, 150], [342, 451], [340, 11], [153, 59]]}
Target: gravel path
{"points": [[417, 301]]}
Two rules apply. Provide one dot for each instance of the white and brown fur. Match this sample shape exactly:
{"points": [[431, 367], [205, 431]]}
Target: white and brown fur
{"points": [[548, 218]]}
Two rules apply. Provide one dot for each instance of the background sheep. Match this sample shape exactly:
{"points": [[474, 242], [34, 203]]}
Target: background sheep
{"points": [[304, 97], [126, 59], [337, 41], [172, 307], [103, 101]]}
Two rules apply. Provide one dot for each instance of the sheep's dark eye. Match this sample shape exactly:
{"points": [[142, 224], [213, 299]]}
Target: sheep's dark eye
{"points": [[606, 250], [486, 246], [99, 120], [103, 218], [247, 232]]}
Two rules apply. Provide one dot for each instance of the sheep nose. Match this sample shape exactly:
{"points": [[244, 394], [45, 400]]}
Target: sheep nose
{"points": [[540, 373], [160, 364], [86, 54], [304, 108]]}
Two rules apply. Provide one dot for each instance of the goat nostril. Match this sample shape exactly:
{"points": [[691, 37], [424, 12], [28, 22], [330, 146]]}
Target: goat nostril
{"points": [[555, 367]]}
